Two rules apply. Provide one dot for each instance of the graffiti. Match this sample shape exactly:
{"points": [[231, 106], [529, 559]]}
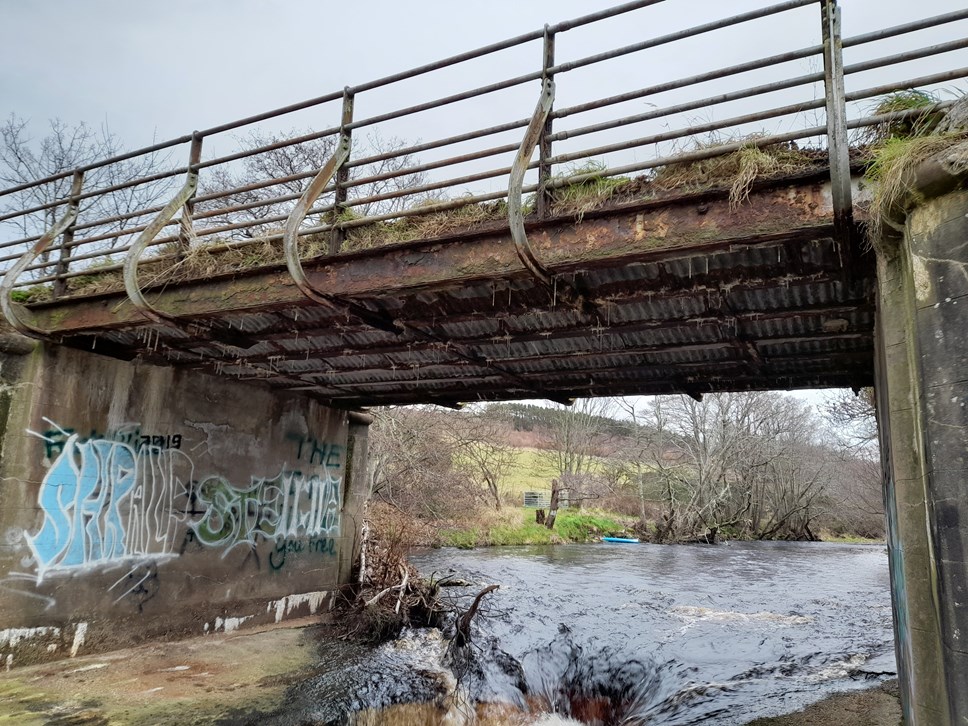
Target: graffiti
{"points": [[55, 439], [289, 505], [322, 546], [103, 502], [317, 452], [131, 500], [140, 584]]}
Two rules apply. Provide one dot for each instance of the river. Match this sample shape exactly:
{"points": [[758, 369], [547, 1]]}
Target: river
{"points": [[665, 634]]}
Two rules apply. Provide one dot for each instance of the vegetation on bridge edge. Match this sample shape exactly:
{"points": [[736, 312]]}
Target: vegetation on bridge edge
{"points": [[889, 151], [733, 172]]}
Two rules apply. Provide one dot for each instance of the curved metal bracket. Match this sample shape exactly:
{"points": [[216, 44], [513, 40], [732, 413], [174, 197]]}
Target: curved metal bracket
{"points": [[298, 214], [144, 239], [10, 278], [291, 245], [516, 183]]}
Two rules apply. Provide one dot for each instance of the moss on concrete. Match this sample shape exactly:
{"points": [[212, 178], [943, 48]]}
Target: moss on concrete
{"points": [[195, 681]]}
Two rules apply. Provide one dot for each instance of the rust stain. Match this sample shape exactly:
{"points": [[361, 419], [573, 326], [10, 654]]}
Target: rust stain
{"points": [[685, 296]]}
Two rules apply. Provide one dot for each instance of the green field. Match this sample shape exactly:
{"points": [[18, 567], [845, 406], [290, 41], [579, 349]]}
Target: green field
{"points": [[517, 527], [532, 471]]}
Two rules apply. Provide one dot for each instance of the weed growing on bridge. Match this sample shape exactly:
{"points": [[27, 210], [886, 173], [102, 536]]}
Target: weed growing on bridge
{"points": [[737, 170], [892, 170], [902, 146], [590, 193], [922, 124], [429, 226], [34, 293]]}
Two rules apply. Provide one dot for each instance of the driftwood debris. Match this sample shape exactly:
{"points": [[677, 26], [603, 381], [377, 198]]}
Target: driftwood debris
{"points": [[462, 636]]}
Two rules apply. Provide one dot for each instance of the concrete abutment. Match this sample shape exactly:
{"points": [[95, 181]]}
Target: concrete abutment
{"points": [[922, 397], [141, 502]]}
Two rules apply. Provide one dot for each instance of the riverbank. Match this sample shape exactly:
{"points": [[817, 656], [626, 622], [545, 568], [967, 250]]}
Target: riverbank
{"points": [[245, 678], [878, 706], [516, 526]]}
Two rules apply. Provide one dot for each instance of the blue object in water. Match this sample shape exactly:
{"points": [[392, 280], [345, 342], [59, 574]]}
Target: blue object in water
{"points": [[629, 540]]}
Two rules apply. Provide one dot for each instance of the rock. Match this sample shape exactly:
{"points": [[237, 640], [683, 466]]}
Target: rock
{"points": [[956, 118]]}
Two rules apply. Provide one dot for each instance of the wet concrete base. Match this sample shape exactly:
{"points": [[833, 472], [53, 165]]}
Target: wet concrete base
{"points": [[880, 706], [203, 680]]}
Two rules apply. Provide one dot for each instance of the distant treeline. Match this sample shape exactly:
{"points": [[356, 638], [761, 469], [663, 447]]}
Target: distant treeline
{"points": [[529, 417]]}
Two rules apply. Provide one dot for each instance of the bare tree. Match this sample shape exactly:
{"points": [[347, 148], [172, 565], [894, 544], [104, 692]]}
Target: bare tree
{"points": [[63, 149], [482, 450], [631, 464], [243, 184], [578, 434], [740, 462], [412, 464], [860, 503], [853, 414]]}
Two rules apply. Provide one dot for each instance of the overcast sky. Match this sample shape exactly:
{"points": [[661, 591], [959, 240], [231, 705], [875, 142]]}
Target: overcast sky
{"points": [[165, 68], [156, 70]]}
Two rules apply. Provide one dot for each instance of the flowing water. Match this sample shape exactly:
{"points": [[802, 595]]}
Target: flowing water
{"points": [[639, 634]]}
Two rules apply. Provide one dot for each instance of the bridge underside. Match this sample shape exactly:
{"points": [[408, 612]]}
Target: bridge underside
{"points": [[679, 294]]}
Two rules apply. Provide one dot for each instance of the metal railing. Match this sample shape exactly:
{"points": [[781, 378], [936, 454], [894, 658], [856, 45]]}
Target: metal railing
{"points": [[380, 188]]}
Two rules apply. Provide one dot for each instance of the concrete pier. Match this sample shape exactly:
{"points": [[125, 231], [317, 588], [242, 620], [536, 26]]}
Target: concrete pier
{"points": [[144, 502], [922, 387]]}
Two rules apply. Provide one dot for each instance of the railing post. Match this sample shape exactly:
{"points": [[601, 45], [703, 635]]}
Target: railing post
{"points": [[186, 233], [67, 241], [838, 146], [543, 196], [338, 234]]}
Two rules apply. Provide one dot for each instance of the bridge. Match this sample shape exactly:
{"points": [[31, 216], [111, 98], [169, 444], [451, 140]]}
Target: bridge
{"points": [[601, 245]]}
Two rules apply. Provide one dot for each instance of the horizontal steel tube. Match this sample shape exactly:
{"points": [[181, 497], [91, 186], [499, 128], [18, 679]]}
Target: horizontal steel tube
{"points": [[897, 115], [429, 145], [601, 15], [694, 80], [161, 146], [875, 91], [255, 186], [890, 60], [446, 100], [221, 211], [451, 161], [906, 28], [690, 106], [691, 131], [22, 241], [680, 35], [444, 184], [255, 151], [697, 155], [282, 111]]}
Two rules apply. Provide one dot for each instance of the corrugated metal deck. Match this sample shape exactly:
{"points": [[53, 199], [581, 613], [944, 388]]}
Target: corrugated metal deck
{"points": [[678, 294]]}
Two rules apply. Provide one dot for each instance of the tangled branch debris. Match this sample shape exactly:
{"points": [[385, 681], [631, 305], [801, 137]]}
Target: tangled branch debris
{"points": [[463, 634]]}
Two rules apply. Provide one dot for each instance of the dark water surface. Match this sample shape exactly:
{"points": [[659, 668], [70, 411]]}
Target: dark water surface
{"points": [[673, 634]]}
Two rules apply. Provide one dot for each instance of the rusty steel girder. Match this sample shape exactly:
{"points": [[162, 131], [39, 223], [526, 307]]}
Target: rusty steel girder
{"points": [[644, 231]]}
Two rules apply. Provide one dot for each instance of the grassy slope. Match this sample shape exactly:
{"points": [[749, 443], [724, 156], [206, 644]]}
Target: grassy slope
{"points": [[517, 527], [533, 470]]}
